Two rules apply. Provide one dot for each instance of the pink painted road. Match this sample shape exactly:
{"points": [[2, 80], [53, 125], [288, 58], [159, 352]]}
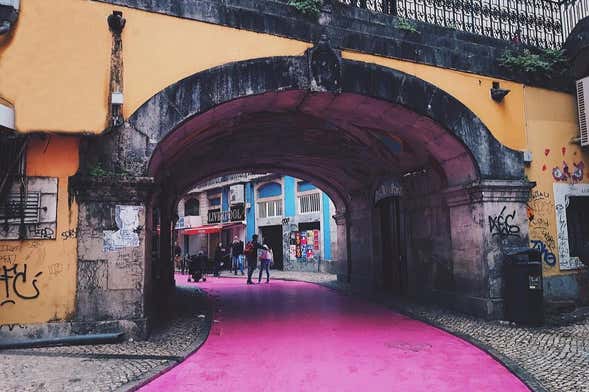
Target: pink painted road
{"points": [[295, 336]]}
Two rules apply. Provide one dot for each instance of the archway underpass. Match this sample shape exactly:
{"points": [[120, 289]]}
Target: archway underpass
{"points": [[413, 173]]}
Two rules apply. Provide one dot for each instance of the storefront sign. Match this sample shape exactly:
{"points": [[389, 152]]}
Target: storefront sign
{"points": [[235, 214], [214, 216], [390, 188]]}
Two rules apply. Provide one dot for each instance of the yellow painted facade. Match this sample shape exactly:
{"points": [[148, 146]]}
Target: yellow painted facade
{"points": [[551, 123], [55, 69], [55, 260]]}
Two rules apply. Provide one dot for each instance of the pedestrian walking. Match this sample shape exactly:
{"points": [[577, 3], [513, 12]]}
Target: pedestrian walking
{"points": [[266, 259], [237, 255], [177, 257], [219, 251], [251, 254], [184, 264]]}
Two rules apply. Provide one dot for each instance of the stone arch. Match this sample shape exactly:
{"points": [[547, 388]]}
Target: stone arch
{"points": [[374, 122], [174, 107]]}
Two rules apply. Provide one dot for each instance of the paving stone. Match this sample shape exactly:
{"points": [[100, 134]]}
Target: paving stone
{"points": [[108, 367]]}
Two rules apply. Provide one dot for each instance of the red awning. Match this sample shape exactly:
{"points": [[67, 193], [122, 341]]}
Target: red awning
{"points": [[207, 229]]}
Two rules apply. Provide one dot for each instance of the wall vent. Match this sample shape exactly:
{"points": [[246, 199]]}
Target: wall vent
{"points": [[582, 97]]}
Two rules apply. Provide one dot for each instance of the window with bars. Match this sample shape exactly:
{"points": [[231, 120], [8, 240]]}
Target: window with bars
{"points": [[29, 210], [309, 202], [270, 208], [10, 210], [192, 207]]}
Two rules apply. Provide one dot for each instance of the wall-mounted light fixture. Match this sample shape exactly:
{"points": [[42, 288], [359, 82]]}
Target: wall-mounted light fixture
{"points": [[116, 98], [498, 93]]}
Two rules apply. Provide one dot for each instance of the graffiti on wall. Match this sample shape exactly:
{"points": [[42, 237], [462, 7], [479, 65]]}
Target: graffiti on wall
{"points": [[547, 256], [540, 208], [127, 221], [566, 172], [563, 173], [504, 224], [16, 284]]}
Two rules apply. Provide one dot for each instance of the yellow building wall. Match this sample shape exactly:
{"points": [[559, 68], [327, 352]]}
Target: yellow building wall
{"points": [[56, 260], [551, 123], [59, 59]]}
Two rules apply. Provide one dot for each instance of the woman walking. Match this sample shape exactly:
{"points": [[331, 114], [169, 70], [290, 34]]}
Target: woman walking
{"points": [[266, 258]]}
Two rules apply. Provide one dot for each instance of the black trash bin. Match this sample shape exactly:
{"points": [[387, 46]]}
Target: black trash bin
{"points": [[523, 292]]}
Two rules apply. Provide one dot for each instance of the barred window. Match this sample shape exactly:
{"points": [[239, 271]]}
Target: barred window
{"points": [[192, 207], [10, 210], [29, 211], [309, 202], [269, 209]]}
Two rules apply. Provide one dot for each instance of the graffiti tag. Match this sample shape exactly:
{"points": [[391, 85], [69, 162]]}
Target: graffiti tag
{"points": [[71, 233], [547, 255], [11, 326], [502, 225], [15, 284], [41, 232], [55, 269], [8, 259]]}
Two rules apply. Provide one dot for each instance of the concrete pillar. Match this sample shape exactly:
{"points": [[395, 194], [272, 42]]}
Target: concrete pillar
{"points": [[341, 252], [361, 243], [486, 220], [111, 254]]}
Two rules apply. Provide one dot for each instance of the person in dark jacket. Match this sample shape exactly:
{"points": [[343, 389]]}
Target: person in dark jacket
{"points": [[237, 255], [197, 267], [251, 254]]}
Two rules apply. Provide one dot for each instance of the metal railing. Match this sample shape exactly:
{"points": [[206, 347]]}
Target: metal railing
{"points": [[542, 23]]}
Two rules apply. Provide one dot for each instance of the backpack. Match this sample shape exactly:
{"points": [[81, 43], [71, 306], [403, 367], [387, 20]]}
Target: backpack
{"points": [[249, 248]]}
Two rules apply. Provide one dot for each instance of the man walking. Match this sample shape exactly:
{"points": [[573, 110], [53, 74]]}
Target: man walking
{"points": [[237, 255], [251, 253]]}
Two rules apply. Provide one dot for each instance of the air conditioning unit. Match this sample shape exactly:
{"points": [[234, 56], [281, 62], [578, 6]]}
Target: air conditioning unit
{"points": [[6, 114], [582, 102]]}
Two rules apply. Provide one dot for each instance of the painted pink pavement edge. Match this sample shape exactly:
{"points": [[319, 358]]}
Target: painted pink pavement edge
{"points": [[296, 336]]}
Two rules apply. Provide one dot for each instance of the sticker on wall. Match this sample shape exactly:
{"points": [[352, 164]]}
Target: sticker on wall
{"points": [[316, 237], [127, 220], [561, 174], [292, 252], [310, 238]]}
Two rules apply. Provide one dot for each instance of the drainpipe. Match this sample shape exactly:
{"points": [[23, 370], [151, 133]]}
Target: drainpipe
{"points": [[8, 14]]}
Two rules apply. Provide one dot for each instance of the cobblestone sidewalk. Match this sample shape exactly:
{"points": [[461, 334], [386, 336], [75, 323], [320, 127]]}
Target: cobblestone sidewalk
{"points": [[110, 367]]}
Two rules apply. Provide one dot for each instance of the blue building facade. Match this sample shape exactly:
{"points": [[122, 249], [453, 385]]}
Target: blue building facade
{"points": [[292, 216]]}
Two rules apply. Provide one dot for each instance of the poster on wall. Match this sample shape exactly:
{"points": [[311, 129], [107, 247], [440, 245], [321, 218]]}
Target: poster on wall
{"points": [[310, 238], [127, 221], [309, 253], [292, 252], [236, 193], [316, 236]]}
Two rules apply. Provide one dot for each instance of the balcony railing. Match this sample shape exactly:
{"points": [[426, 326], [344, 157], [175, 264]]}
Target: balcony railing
{"points": [[542, 23]]}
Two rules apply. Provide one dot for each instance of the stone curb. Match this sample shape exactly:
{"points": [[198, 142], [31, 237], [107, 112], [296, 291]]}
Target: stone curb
{"points": [[160, 370]]}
